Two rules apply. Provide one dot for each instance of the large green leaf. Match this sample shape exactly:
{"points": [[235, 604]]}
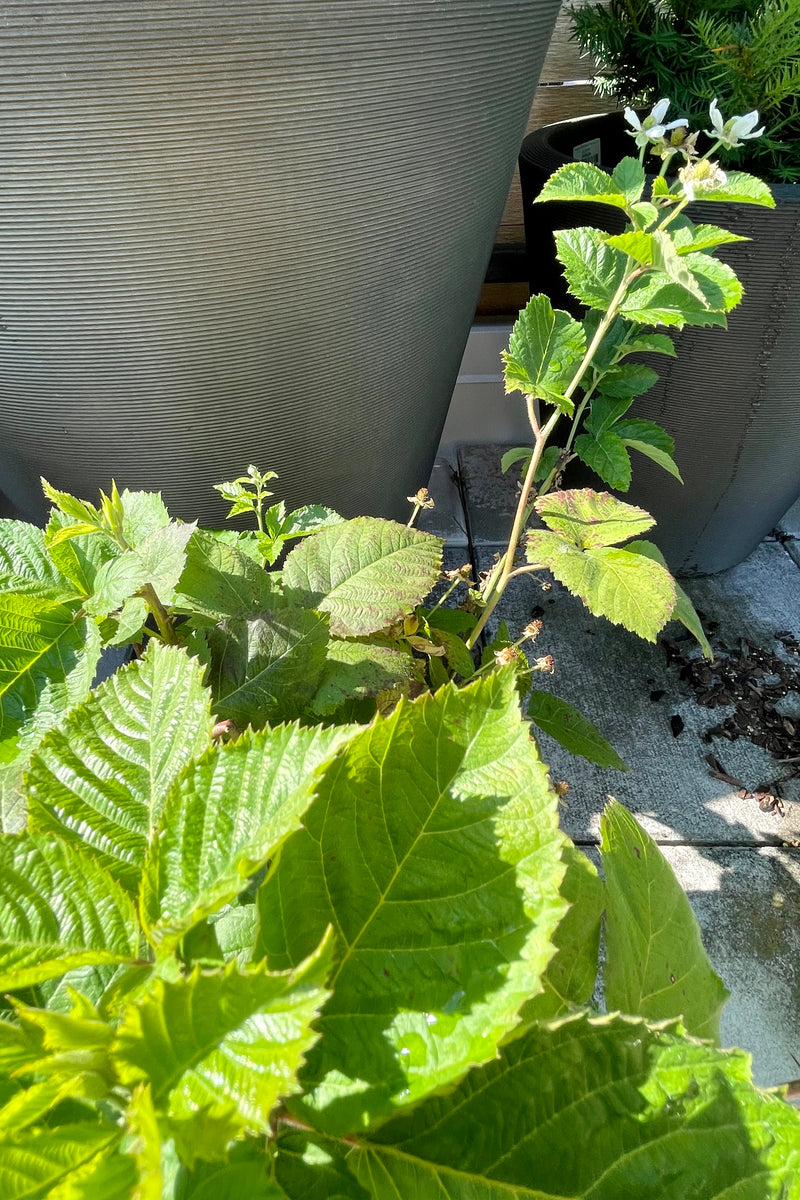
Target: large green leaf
{"points": [[433, 849], [544, 351], [47, 658], [572, 729], [571, 975], [230, 810], [60, 1163], [585, 181], [684, 610], [267, 668], [610, 1108], [606, 455], [742, 189], [101, 779], [367, 573], [228, 1042], [655, 962], [26, 566], [58, 910], [593, 269], [688, 237], [629, 177], [358, 669], [220, 581], [612, 583], [627, 380], [591, 518], [655, 299]]}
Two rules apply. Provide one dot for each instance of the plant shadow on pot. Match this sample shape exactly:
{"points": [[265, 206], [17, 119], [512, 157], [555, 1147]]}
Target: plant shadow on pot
{"points": [[729, 398]]}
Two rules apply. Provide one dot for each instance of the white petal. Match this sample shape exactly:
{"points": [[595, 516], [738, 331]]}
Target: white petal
{"points": [[632, 119], [659, 111], [677, 124], [716, 117]]}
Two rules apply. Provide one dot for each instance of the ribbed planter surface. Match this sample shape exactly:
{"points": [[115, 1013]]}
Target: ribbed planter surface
{"points": [[251, 231], [730, 397]]}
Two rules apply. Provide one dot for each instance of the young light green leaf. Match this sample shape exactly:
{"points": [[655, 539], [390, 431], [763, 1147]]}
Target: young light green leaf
{"points": [[101, 779], [79, 510], [544, 350], [130, 622], [619, 585], [116, 580], [572, 729], [229, 812], [517, 454], [143, 514], [656, 1116], [593, 269], [366, 573], [637, 244], [644, 214], [740, 188], [688, 237], [571, 975], [591, 518], [61, 1162], [58, 910], [640, 429], [684, 610], [676, 268], [267, 668], [433, 848], [583, 181], [78, 552], [606, 455], [655, 962], [144, 1130], [163, 556], [628, 175], [228, 1042]]}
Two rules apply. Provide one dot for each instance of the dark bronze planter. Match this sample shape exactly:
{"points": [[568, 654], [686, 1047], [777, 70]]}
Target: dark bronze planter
{"points": [[248, 231]]}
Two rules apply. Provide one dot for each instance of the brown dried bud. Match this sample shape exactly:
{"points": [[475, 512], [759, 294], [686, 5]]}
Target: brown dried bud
{"points": [[464, 573], [548, 664], [224, 729], [423, 498], [506, 656], [547, 587], [532, 630], [561, 788]]}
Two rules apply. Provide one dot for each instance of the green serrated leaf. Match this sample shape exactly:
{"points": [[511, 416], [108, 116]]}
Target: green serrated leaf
{"points": [[79, 510], [591, 518], [130, 622], [684, 610], [433, 848], [312, 1166], [227, 1042], [593, 269], [100, 781], [656, 455], [655, 1116], [612, 583], [144, 1130], [77, 552], [220, 580], [116, 580], [58, 910], [583, 181], [637, 244], [366, 573], [521, 454], [26, 565], [629, 177], [163, 556], [229, 811], [604, 413], [605, 453], [654, 299], [655, 962], [545, 348], [359, 669], [651, 343], [572, 729], [626, 381], [247, 1172], [677, 268], [640, 429], [740, 188], [570, 977], [58, 1162], [644, 214], [267, 668], [718, 282], [689, 237], [143, 514]]}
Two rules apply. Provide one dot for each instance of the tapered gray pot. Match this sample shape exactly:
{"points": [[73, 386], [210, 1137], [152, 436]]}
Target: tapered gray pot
{"points": [[248, 231], [730, 398]]}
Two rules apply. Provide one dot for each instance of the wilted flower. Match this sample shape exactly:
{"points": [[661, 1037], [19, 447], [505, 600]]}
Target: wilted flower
{"points": [[532, 630], [702, 176], [464, 573], [548, 664], [423, 498], [652, 128], [506, 656], [733, 132]]}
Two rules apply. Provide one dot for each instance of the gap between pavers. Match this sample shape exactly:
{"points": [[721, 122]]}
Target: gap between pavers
{"points": [[730, 857]]}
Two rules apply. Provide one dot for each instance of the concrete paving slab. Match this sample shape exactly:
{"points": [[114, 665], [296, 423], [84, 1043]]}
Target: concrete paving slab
{"points": [[490, 497], [790, 522], [610, 675]]}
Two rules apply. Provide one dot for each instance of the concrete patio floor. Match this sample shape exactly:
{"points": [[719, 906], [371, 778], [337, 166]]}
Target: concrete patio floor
{"points": [[739, 864]]}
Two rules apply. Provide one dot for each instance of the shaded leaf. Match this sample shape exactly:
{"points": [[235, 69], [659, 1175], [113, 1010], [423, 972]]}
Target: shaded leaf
{"points": [[220, 581], [684, 610], [247, 1173], [267, 668], [605, 453], [626, 381], [433, 848], [229, 1042], [314, 1167], [366, 573], [655, 962], [572, 729], [517, 454], [608, 1108], [101, 779], [57, 911], [359, 669]]}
